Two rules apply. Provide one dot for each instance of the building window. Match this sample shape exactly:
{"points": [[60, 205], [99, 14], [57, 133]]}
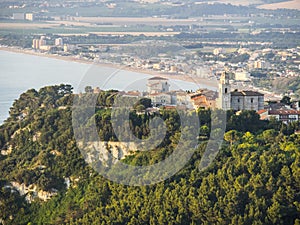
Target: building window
{"points": [[251, 100], [238, 100], [225, 90]]}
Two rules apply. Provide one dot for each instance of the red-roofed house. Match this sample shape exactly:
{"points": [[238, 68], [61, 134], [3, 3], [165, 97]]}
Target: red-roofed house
{"points": [[284, 115]]}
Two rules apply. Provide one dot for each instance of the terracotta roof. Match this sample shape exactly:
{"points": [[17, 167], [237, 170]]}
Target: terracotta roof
{"points": [[246, 93], [195, 95], [284, 112], [209, 94], [199, 97], [170, 107], [262, 111]]}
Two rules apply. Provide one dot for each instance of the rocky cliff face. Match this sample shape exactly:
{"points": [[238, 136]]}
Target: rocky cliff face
{"points": [[32, 192], [107, 152]]}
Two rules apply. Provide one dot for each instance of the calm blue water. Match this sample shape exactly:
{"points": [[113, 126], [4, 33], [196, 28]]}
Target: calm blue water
{"points": [[20, 72]]}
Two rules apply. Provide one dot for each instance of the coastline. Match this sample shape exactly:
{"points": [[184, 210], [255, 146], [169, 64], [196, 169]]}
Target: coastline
{"points": [[181, 77]]}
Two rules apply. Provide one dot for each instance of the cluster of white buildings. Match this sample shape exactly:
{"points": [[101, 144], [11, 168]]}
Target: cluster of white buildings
{"points": [[158, 90], [281, 112], [41, 43]]}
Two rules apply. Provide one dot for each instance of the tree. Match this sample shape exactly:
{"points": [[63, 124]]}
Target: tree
{"points": [[269, 135], [88, 89], [231, 136], [286, 100], [140, 108], [251, 183], [204, 131], [146, 102]]}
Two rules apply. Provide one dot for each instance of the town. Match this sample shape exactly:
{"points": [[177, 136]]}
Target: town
{"points": [[150, 112], [258, 48], [226, 98], [264, 69], [239, 73]]}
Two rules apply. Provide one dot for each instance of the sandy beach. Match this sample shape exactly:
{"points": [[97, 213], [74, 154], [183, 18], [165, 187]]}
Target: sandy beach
{"points": [[183, 77]]}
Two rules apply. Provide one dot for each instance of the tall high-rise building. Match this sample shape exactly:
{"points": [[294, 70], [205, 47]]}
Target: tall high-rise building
{"points": [[259, 64], [59, 42], [35, 43], [29, 16], [42, 41], [39, 43]]}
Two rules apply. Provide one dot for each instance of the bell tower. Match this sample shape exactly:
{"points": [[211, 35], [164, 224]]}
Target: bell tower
{"points": [[224, 92]]}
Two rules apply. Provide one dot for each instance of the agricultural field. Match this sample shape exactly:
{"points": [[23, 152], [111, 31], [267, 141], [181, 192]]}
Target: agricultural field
{"points": [[294, 4]]}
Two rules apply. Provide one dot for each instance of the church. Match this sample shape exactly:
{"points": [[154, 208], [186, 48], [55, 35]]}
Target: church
{"points": [[238, 100], [158, 89]]}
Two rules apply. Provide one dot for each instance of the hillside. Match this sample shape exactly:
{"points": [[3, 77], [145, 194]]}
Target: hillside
{"points": [[255, 178]]}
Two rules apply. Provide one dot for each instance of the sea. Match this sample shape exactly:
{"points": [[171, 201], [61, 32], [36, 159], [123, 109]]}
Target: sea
{"points": [[20, 72]]}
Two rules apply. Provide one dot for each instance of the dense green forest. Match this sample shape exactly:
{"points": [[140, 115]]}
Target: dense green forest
{"points": [[255, 178]]}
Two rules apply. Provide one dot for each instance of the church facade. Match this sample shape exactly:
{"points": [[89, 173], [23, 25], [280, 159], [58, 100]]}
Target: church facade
{"points": [[238, 100], [247, 100]]}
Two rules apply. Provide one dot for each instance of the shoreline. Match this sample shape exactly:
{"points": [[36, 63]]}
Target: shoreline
{"points": [[181, 77]]}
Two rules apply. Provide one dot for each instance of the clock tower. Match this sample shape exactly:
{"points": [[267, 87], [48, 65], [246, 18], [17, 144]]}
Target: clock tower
{"points": [[224, 92]]}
